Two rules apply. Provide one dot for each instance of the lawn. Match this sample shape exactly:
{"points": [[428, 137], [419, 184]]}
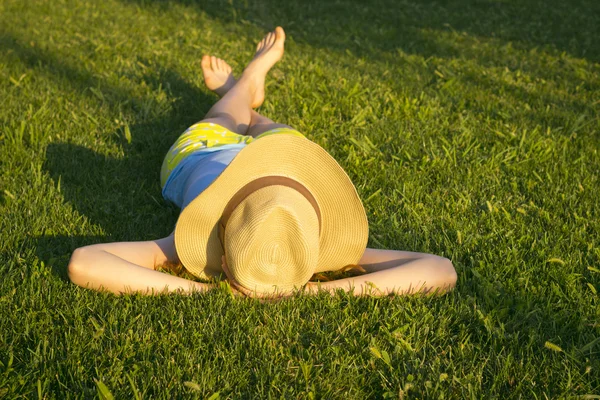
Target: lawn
{"points": [[471, 130]]}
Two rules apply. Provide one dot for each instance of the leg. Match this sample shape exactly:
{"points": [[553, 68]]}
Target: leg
{"points": [[260, 123], [234, 109]]}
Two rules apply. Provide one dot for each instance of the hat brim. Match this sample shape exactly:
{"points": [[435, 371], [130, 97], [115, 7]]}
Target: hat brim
{"points": [[344, 225]]}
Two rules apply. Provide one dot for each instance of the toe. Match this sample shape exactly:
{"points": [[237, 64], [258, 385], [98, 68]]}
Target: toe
{"points": [[205, 63], [279, 34], [213, 63], [220, 64]]}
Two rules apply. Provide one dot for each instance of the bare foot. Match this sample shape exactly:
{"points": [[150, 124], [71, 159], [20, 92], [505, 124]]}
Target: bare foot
{"points": [[219, 78], [217, 75], [268, 51]]}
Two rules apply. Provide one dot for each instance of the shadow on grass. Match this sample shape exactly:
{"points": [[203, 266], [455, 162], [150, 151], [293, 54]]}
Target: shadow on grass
{"points": [[383, 28], [55, 251], [387, 25], [108, 191], [121, 195]]}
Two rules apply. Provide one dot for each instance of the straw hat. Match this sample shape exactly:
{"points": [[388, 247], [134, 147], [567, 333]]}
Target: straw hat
{"points": [[282, 210]]}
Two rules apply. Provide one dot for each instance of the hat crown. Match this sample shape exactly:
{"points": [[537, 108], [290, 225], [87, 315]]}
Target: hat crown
{"points": [[343, 225], [272, 240]]}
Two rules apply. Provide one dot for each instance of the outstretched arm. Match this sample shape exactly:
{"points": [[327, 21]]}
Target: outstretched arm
{"points": [[393, 271], [123, 267]]}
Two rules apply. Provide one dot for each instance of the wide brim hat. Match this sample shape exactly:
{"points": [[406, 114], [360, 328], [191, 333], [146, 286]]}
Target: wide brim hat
{"points": [[282, 210]]}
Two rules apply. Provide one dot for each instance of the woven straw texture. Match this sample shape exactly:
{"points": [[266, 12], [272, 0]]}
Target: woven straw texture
{"points": [[344, 226], [272, 236]]}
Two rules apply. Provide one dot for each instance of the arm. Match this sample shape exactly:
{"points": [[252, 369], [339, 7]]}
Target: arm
{"points": [[392, 271], [129, 267]]}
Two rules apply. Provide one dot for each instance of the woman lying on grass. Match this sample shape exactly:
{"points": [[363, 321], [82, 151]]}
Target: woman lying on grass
{"points": [[268, 213]]}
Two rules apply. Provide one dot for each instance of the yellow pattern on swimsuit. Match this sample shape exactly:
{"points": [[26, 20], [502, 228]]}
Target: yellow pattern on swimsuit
{"points": [[206, 135]]}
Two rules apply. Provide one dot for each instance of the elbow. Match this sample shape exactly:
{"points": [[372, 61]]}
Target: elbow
{"points": [[77, 268], [447, 273]]}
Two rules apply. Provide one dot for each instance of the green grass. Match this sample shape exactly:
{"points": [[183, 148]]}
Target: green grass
{"points": [[470, 129]]}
